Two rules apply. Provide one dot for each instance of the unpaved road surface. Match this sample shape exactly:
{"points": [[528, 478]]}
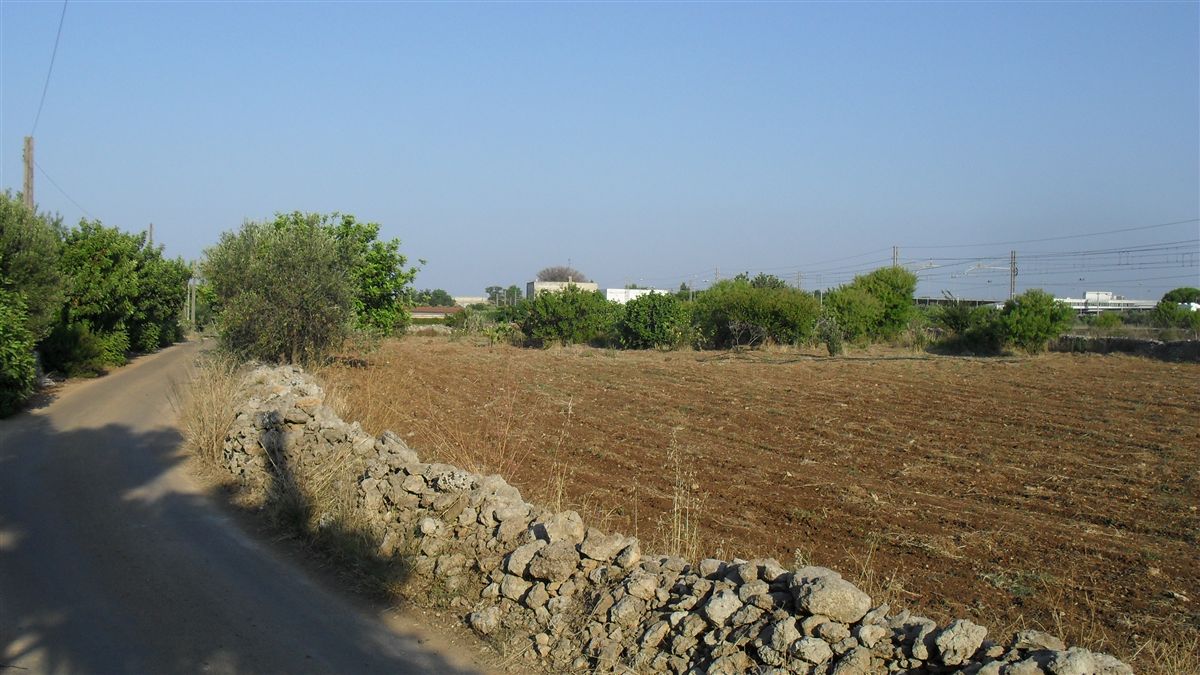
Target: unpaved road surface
{"points": [[113, 560]]}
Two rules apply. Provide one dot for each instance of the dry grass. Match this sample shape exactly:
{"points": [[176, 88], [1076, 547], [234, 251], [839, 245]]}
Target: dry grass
{"points": [[206, 405]]}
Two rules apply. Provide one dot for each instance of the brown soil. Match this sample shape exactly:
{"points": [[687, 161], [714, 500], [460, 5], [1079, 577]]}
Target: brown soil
{"points": [[1057, 491]]}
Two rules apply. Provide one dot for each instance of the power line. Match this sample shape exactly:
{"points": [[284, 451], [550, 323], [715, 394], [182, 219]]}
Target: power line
{"points": [[64, 192], [1069, 236], [45, 87]]}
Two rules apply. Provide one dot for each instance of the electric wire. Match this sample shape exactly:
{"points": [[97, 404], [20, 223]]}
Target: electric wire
{"points": [[60, 189], [49, 71]]}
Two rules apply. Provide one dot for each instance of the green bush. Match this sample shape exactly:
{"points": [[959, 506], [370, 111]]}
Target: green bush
{"points": [[1169, 314], [654, 320], [18, 367], [73, 350], [1107, 320], [858, 313], [30, 251], [283, 290], [830, 333], [734, 313], [571, 316], [1033, 318]]}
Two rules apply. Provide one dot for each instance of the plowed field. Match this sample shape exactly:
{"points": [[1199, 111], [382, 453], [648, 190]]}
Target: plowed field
{"points": [[1058, 491]]}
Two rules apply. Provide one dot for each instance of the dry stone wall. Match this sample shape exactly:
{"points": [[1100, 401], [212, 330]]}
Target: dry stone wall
{"points": [[569, 597]]}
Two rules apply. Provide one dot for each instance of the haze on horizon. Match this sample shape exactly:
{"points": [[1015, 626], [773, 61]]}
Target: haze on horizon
{"points": [[641, 143]]}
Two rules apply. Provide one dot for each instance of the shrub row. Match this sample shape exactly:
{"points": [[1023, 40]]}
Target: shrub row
{"points": [[82, 297]]}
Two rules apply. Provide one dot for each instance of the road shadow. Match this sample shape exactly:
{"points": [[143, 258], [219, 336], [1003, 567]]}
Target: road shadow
{"points": [[109, 563]]}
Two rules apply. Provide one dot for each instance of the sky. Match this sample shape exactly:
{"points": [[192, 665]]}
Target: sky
{"points": [[642, 143]]}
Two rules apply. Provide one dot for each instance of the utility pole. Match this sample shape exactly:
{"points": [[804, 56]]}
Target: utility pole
{"points": [[799, 285], [1012, 275], [150, 238], [895, 256], [27, 193], [716, 274]]}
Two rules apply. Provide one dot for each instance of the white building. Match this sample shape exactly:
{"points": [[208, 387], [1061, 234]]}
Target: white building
{"points": [[534, 287], [624, 295]]}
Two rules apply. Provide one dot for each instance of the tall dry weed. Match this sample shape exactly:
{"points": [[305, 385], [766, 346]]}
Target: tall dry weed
{"points": [[679, 530], [206, 404]]}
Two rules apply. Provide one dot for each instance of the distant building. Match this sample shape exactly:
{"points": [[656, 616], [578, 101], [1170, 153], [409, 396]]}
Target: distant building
{"points": [[468, 300], [1094, 302], [624, 295], [534, 287], [434, 312]]}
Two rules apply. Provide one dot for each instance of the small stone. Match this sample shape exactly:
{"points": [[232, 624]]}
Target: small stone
{"points": [[782, 634], [537, 596], [517, 562], [627, 611], [430, 526], [598, 546], [832, 596], [812, 650], [959, 641], [870, 634], [485, 620], [654, 634], [832, 631], [721, 606], [629, 556], [513, 587], [561, 527], [711, 567], [1033, 640], [856, 661], [555, 562]]}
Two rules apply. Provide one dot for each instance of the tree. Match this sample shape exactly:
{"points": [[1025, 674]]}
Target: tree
{"points": [[573, 316], [857, 313], [434, 298], [653, 320], [1182, 294], [735, 313], [893, 287], [1033, 318], [285, 289], [162, 289], [30, 251], [380, 282], [18, 372], [762, 280], [561, 273]]}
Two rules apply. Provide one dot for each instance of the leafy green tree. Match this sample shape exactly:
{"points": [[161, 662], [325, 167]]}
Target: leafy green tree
{"points": [[1170, 314], [654, 320], [735, 313], [572, 316], [762, 280], [380, 280], [162, 290], [1033, 318], [284, 289], [434, 298], [30, 248], [1182, 294], [857, 312], [893, 287], [18, 369]]}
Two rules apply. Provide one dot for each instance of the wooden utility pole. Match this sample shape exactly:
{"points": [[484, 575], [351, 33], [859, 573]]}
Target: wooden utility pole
{"points": [[27, 193], [1012, 275], [150, 238]]}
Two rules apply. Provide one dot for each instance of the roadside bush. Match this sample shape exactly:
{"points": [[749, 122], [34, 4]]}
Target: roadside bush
{"points": [[571, 316], [74, 350], [380, 284], [1033, 318], [30, 248], [734, 313], [654, 320], [283, 289], [18, 367], [1107, 320]]}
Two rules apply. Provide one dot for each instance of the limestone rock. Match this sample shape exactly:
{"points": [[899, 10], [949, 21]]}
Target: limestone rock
{"points": [[959, 641], [555, 562]]}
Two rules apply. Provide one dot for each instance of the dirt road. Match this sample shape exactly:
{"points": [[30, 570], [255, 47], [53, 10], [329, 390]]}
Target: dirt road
{"points": [[113, 560]]}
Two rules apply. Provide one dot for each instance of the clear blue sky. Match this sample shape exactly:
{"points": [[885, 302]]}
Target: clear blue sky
{"points": [[644, 143]]}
